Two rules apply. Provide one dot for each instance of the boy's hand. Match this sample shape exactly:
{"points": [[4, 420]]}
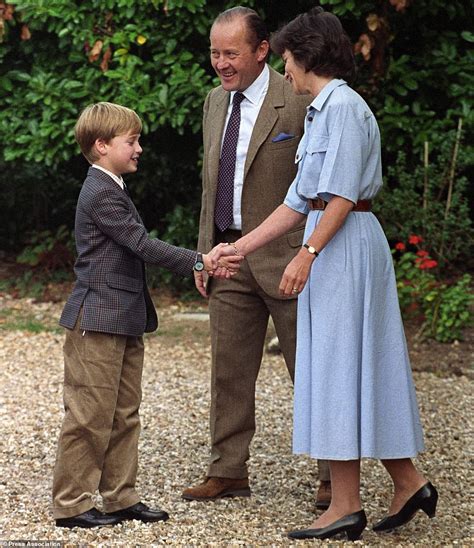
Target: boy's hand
{"points": [[200, 279]]}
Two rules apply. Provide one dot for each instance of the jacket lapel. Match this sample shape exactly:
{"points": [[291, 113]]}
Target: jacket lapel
{"points": [[267, 118], [217, 115]]}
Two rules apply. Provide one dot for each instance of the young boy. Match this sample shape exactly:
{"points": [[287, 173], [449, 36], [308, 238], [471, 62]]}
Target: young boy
{"points": [[105, 316]]}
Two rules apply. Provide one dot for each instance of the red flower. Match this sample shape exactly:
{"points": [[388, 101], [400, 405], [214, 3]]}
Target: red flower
{"points": [[422, 253], [428, 263], [400, 246], [414, 239]]}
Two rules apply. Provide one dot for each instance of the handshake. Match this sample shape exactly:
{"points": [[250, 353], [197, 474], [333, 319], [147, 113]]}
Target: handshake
{"points": [[223, 261]]}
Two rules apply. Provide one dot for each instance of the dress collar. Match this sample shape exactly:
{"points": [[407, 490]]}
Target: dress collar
{"points": [[318, 102]]}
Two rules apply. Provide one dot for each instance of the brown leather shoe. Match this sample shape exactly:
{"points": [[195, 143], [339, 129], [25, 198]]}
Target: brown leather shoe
{"points": [[218, 488], [323, 497]]}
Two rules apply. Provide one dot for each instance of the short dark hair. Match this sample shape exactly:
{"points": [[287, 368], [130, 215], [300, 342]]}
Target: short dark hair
{"points": [[256, 29], [318, 43]]}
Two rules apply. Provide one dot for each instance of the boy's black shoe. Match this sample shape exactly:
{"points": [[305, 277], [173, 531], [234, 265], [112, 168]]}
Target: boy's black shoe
{"points": [[141, 512], [91, 518]]}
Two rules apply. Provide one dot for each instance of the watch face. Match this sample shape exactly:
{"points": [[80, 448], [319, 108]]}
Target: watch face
{"points": [[198, 266], [311, 249]]}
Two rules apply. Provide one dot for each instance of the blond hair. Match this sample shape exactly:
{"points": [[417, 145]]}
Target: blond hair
{"points": [[104, 121]]}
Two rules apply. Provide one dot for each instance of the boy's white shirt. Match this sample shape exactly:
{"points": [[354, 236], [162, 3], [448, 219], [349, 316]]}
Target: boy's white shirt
{"points": [[117, 179]]}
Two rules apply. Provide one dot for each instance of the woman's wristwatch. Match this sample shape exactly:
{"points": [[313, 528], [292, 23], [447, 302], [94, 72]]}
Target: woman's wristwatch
{"points": [[311, 250]]}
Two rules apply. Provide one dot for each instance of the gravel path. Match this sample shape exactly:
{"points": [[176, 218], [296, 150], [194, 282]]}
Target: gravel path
{"points": [[174, 449]]}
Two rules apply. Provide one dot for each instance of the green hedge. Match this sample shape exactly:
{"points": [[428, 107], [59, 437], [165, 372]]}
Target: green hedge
{"points": [[56, 56]]}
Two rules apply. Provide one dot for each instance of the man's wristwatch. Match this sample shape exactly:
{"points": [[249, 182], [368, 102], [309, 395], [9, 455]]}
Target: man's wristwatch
{"points": [[311, 250], [199, 264]]}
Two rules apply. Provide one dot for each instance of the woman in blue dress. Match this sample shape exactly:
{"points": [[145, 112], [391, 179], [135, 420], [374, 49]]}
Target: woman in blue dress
{"points": [[354, 393]]}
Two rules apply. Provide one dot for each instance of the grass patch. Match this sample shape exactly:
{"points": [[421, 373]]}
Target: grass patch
{"points": [[16, 320]]}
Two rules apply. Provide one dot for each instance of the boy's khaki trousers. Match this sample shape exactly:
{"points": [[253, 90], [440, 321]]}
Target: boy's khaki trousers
{"points": [[98, 444]]}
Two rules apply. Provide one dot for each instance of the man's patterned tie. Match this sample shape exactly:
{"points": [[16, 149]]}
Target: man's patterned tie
{"points": [[224, 210]]}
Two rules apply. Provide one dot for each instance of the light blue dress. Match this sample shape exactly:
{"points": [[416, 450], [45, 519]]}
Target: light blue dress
{"points": [[354, 393]]}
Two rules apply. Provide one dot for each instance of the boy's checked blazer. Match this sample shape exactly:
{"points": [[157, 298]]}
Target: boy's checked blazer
{"points": [[113, 247]]}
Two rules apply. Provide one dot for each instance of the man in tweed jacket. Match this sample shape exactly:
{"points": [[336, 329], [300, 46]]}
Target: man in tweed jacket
{"points": [[106, 315], [272, 120]]}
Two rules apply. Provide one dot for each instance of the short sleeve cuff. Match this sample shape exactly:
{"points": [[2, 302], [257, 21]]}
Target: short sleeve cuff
{"points": [[297, 204], [326, 196]]}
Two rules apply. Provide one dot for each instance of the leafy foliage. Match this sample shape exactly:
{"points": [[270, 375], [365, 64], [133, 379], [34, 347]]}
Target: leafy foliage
{"points": [[49, 251], [416, 70], [429, 200], [443, 307], [132, 53], [448, 311], [58, 56], [415, 64]]}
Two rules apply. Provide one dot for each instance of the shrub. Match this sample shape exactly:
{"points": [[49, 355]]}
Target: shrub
{"points": [[49, 252], [431, 200], [447, 311], [415, 64], [443, 307]]}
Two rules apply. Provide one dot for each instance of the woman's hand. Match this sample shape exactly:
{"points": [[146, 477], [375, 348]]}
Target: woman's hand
{"points": [[296, 274]]}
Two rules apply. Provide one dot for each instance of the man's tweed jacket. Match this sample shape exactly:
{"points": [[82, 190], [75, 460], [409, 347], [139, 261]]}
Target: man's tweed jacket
{"points": [[113, 247], [269, 170]]}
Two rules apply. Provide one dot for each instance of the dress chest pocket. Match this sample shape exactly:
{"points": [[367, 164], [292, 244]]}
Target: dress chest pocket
{"points": [[315, 153], [318, 144]]}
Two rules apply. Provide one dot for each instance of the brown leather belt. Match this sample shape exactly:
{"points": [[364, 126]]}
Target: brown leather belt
{"points": [[361, 205]]}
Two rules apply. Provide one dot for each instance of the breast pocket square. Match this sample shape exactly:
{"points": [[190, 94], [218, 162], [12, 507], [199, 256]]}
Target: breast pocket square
{"points": [[282, 137]]}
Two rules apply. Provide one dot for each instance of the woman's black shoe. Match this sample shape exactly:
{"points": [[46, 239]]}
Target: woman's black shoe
{"points": [[352, 525], [424, 499]]}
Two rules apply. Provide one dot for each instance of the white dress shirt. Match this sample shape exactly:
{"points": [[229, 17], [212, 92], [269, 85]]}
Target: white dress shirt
{"points": [[249, 109], [116, 178]]}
